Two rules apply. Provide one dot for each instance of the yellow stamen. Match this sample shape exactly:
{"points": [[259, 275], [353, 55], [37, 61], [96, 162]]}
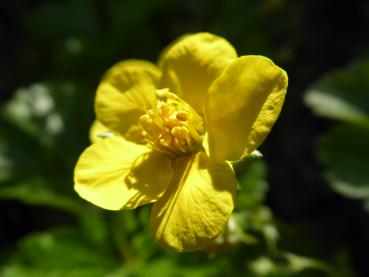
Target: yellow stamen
{"points": [[172, 126]]}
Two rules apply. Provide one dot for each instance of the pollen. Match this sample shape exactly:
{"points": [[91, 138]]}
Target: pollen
{"points": [[172, 126]]}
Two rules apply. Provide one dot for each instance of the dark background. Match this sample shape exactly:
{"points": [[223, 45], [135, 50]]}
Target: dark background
{"points": [[306, 38]]}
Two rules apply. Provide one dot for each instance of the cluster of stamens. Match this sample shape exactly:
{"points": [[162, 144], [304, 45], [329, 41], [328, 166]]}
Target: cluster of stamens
{"points": [[172, 126]]}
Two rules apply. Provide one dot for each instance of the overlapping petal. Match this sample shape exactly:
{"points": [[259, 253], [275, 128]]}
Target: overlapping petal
{"points": [[192, 63], [125, 92], [243, 104], [196, 205], [114, 174]]}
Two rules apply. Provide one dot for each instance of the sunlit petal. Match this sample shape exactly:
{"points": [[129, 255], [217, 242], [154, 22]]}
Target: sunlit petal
{"points": [[243, 104], [192, 63], [196, 205], [117, 174], [124, 93]]}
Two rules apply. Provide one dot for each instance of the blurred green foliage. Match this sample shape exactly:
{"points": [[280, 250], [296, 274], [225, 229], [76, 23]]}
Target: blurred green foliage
{"points": [[56, 53], [343, 95]]}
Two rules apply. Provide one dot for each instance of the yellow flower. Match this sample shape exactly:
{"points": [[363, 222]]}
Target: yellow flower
{"points": [[177, 125]]}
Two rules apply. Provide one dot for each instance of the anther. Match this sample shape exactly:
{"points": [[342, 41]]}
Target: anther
{"points": [[171, 123], [182, 115], [163, 108], [165, 138], [180, 132], [163, 93], [145, 120]]}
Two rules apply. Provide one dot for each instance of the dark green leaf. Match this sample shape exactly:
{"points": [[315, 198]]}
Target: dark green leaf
{"points": [[344, 151], [343, 94], [59, 252]]}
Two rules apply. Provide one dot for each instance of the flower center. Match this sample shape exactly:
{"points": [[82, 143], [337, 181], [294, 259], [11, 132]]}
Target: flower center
{"points": [[172, 126]]}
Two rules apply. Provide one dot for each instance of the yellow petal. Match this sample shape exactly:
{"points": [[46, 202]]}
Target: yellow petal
{"points": [[117, 174], [192, 63], [243, 104], [126, 90], [96, 129], [196, 205]]}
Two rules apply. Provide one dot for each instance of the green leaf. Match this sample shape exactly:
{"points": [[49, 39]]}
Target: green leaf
{"points": [[16, 155], [343, 95], [59, 252], [288, 264], [38, 193], [344, 152], [130, 235], [253, 186]]}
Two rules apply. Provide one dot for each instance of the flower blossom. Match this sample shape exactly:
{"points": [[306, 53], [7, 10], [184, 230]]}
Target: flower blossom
{"points": [[170, 131]]}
